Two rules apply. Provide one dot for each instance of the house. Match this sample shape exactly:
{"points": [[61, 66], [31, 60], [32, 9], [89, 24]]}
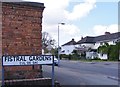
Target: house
{"points": [[68, 47], [92, 43], [22, 35]]}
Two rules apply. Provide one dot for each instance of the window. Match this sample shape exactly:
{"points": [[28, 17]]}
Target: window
{"points": [[63, 51], [101, 54], [101, 43]]}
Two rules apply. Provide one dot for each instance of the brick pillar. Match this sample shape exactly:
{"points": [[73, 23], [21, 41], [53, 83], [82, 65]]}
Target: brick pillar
{"points": [[21, 34]]}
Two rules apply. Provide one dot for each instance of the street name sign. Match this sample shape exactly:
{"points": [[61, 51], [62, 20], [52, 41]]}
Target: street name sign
{"points": [[22, 60], [9, 60]]}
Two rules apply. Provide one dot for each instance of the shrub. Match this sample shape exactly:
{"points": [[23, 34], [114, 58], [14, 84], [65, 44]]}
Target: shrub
{"points": [[64, 56], [96, 58]]}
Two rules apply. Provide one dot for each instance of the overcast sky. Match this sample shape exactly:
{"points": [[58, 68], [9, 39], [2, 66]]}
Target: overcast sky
{"points": [[81, 18]]}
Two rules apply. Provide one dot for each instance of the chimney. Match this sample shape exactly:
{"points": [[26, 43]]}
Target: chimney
{"points": [[73, 39], [81, 37], [107, 33]]}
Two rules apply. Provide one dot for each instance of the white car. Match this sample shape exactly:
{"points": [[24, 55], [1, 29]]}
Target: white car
{"points": [[55, 61]]}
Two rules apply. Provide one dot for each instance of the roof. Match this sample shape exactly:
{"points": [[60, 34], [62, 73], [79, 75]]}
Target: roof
{"points": [[33, 4], [86, 40], [72, 42], [107, 37], [100, 38]]}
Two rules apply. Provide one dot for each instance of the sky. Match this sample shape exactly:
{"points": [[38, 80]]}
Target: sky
{"points": [[81, 17]]}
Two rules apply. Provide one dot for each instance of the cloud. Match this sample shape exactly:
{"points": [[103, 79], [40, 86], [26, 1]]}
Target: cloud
{"points": [[99, 0], [81, 10], [55, 12], [66, 32], [101, 29], [70, 29]]}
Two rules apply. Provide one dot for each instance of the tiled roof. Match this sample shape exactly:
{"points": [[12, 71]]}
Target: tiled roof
{"points": [[72, 42], [86, 40], [107, 37]]}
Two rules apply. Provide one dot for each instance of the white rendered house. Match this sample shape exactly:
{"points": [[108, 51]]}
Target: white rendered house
{"points": [[68, 47], [91, 43], [94, 42]]}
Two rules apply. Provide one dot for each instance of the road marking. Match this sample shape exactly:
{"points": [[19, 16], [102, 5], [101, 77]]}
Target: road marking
{"points": [[114, 78]]}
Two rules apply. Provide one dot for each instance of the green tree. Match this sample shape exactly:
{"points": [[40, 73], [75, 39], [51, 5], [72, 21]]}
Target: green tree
{"points": [[74, 55], [113, 53], [111, 50], [105, 49]]}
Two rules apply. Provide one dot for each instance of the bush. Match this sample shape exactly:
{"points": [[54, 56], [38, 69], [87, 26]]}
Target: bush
{"points": [[75, 57], [112, 51], [64, 56], [70, 56], [96, 58]]}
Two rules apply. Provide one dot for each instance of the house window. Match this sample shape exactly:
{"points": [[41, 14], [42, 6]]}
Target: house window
{"points": [[84, 46], [101, 43], [114, 42], [101, 54], [63, 51]]}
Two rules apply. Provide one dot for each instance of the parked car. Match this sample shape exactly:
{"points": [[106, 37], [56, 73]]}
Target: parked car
{"points": [[55, 61]]}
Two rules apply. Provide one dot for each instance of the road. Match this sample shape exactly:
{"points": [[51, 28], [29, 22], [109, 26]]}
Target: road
{"points": [[84, 73]]}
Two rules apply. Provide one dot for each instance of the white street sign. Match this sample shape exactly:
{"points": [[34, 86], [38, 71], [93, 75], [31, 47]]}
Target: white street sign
{"points": [[27, 60]]}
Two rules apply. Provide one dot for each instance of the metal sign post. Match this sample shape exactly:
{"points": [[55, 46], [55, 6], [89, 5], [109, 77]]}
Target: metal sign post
{"points": [[49, 47], [2, 75], [53, 73]]}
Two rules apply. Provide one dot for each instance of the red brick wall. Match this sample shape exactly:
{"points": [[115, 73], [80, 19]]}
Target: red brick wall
{"points": [[21, 31], [41, 82]]}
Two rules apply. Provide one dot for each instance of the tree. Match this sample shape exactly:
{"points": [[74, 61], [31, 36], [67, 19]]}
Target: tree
{"points": [[111, 50], [47, 40], [114, 55], [74, 55], [105, 49]]}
